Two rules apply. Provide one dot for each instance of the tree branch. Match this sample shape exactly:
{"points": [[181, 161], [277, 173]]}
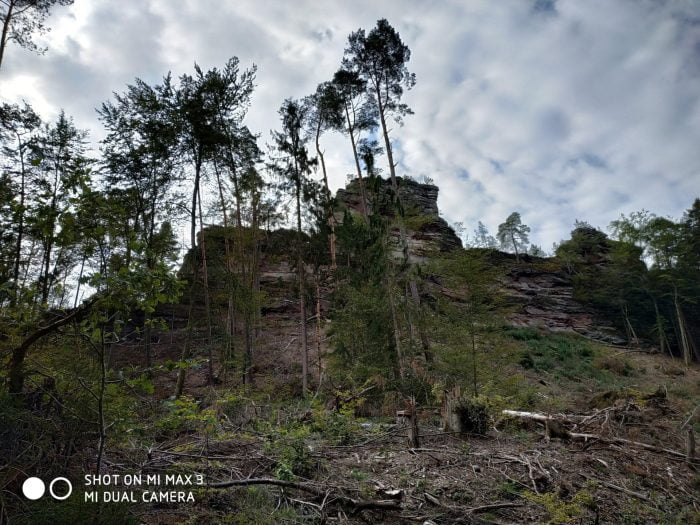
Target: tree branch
{"points": [[358, 504]]}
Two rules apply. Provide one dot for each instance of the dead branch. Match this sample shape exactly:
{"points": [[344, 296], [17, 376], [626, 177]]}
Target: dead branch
{"points": [[585, 437], [358, 504], [639, 495]]}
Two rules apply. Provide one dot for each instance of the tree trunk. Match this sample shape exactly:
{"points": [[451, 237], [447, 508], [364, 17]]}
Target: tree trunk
{"points": [[186, 350], [402, 229], [318, 324], [207, 300], [20, 225], [450, 419], [329, 204], [397, 333], [302, 300], [6, 29], [230, 320], [413, 437], [476, 389], [351, 132], [180, 383], [15, 373], [683, 332], [100, 404], [663, 343]]}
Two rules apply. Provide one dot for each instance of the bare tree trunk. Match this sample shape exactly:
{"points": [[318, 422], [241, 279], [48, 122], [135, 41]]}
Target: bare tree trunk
{"points": [[631, 334], [100, 403], [302, 300], [351, 132], [476, 389], [402, 229], [207, 300], [147, 343], [413, 437], [397, 333], [230, 320], [6, 29], [20, 225], [329, 206], [180, 383], [187, 348], [450, 419], [683, 332], [318, 325], [515, 246], [663, 343]]}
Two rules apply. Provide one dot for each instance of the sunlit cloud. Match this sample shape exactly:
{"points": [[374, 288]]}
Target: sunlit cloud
{"points": [[561, 110]]}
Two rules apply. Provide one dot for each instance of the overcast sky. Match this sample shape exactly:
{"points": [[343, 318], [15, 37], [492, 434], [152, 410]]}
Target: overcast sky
{"points": [[559, 109]]}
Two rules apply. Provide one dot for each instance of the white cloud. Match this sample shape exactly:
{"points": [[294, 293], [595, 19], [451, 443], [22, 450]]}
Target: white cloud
{"points": [[580, 110]]}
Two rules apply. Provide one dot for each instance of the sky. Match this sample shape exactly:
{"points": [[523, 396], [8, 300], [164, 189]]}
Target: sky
{"points": [[557, 109]]}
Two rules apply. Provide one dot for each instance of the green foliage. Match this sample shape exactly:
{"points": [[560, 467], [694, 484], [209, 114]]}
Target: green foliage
{"points": [[467, 318], [474, 414], [513, 234], [185, 414], [559, 510], [288, 446], [567, 356], [339, 427]]}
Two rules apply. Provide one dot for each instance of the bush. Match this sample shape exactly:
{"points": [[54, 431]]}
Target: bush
{"points": [[292, 455], [474, 415]]}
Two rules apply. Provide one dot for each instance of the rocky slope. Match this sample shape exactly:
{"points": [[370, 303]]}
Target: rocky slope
{"points": [[542, 297], [539, 292]]}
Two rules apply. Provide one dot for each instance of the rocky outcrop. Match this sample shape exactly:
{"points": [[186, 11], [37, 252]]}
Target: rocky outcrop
{"points": [[428, 234], [543, 298]]}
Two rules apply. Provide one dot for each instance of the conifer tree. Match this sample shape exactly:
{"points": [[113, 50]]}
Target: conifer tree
{"points": [[379, 58], [140, 153], [323, 110], [513, 235], [21, 19], [293, 165]]}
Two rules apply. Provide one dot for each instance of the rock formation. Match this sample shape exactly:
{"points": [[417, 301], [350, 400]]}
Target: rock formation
{"points": [[427, 233]]}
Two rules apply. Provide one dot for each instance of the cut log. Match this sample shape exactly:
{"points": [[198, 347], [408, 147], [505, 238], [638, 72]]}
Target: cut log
{"points": [[529, 415]]}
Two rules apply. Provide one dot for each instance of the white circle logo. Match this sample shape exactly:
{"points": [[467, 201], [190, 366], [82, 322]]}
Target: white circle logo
{"points": [[65, 496], [33, 488]]}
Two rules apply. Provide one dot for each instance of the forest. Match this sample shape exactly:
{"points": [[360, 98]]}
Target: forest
{"points": [[311, 356]]}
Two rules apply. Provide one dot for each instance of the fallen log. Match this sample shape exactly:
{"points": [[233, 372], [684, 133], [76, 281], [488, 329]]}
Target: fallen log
{"points": [[358, 504], [585, 437]]}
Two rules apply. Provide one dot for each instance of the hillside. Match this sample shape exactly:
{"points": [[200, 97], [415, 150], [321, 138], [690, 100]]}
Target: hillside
{"points": [[340, 456], [194, 329]]}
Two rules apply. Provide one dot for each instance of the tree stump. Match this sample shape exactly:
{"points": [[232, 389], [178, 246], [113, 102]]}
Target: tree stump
{"points": [[450, 418]]}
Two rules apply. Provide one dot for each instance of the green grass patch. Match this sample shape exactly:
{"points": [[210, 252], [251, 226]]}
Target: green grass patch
{"points": [[563, 356]]}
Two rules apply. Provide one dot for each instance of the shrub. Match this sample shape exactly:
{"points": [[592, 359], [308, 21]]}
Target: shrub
{"points": [[474, 414]]}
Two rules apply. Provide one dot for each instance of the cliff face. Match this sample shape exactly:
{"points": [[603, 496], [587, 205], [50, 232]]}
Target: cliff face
{"points": [[539, 292], [427, 233], [543, 298]]}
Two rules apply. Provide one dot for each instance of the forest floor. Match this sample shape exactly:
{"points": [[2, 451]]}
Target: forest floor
{"points": [[338, 467]]}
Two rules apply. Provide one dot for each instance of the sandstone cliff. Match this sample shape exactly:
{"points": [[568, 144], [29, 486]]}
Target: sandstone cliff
{"points": [[428, 234]]}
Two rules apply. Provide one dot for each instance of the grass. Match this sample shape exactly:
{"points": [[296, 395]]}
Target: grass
{"points": [[564, 356]]}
